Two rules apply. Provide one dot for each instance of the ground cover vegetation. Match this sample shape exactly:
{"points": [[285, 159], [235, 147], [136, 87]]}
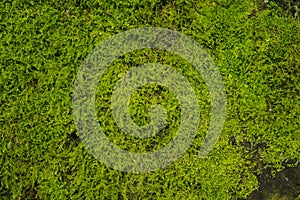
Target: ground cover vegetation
{"points": [[255, 46]]}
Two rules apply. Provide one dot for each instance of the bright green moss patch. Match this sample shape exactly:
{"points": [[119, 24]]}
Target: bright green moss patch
{"points": [[42, 47]]}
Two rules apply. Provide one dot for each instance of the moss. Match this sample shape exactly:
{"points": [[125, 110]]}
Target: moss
{"points": [[44, 43]]}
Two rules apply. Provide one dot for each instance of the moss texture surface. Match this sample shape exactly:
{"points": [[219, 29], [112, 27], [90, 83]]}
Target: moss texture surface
{"points": [[44, 43]]}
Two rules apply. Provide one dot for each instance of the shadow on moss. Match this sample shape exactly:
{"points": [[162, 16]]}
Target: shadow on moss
{"points": [[290, 7], [285, 186]]}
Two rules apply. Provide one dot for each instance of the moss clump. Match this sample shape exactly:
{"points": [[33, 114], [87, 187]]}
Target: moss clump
{"points": [[44, 43]]}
